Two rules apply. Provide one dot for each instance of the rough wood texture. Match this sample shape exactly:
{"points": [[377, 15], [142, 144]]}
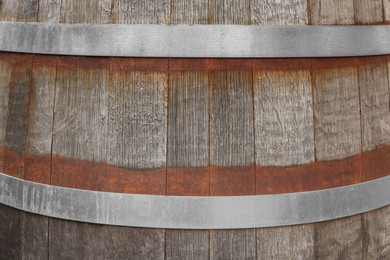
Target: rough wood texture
{"points": [[49, 11], [386, 11], [10, 244], [187, 244], [83, 11], [283, 118], [231, 133], [375, 113], [188, 136], [28, 11], [8, 10], [376, 234], [189, 12], [368, 12], [331, 12], [229, 12], [291, 242], [282, 12], [337, 123], [141, 12], [74, 240], [34, 235], [339, 239], [233, 244]]}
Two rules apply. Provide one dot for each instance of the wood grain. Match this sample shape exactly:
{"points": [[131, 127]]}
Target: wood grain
{"points": [[8, 10], [189, 12], [28, 11], [187, 244], [368, 12], [331, 12], [290, 242], [376, 228], [283, 12], [375, 113], [49, 11], [337, 122], [84, 11], [233, 244], [386, 11], [231, 133], [339, 239], [141, 12], [229, 12], [10, 243], [34, 236], [80, 120]]}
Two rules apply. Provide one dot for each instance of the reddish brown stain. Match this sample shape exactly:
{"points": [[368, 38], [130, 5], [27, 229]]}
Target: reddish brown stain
{"points": [[277, 179], [188, 181], [281, 64], [139, 64], [11, 163], [47, 60], [376, 163], [230, 64], [330, 174], [189, 64], [37, 168], [83, 62], [232, 181]]}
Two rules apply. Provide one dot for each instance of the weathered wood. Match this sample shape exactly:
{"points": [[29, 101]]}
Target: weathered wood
{"points": [[375, 113], [189, 12], [141, 12], [283, 12], [10, 244], [368, 12], [28, 11], [291, 242], [376, 230], [187, 244], [328, 12], [231, 133], [337, 124], [8, 10], [229, 12], [34, 236], [41, 105], [80, 120], [233, 244], [49, 11], [386, 11], [339, 239], [84, 11]]}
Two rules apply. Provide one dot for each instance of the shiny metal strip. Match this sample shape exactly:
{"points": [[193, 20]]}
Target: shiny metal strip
{"points": [[221, 41], [194, 212]]}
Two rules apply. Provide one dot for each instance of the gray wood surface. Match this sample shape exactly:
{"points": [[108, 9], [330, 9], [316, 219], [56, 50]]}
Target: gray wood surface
{"points": [[368, 12], [9, 10], [339, 239], [82, 11], [80, 120], [10, 244], [141, 12], [189, 12], [376, 234], [187, 244], [34, 236], [49, 11], [5, 76], [386, 10], [283, 118], [374, 106], [290, 242], [331, 12], [336, 113], [28, 11], [229, 12], [283, 12]]}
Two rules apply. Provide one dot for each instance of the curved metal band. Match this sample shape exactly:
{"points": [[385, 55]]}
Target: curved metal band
{"points": [[194, 212], [220, 41]]}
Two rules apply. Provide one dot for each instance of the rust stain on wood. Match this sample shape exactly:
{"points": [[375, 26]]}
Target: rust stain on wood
{"points": [[376, 163], [11, 163], [190, 64], [232, 181], [188, 181], [37, 168], [282, 64], [139, 64]]}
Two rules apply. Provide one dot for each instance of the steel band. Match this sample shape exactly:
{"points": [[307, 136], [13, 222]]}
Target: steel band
{"points": [[221, 41], [194, 212]]}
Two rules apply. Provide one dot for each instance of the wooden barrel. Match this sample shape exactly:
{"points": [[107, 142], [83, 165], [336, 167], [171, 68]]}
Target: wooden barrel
{"points": [[195, 127]]}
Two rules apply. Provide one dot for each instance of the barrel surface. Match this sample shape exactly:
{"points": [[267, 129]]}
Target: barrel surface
{"points": [[195, 127]]}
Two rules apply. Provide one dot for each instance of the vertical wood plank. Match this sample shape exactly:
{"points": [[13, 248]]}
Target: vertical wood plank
{"points": [[187, 244], [28, 11], [34, 236], [376, 243], [331, 12], [85, 11], [290, 242], [283, 12], [10, 244], [39, 135], [141, 12], [368, 12], [189, 12], [283, 130], [9, 10], [386, 11], [80, 121], [337, 126], [339, 239], [233, 244], [49, 11], [375, 112], [229, 12], [138, 126]]}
